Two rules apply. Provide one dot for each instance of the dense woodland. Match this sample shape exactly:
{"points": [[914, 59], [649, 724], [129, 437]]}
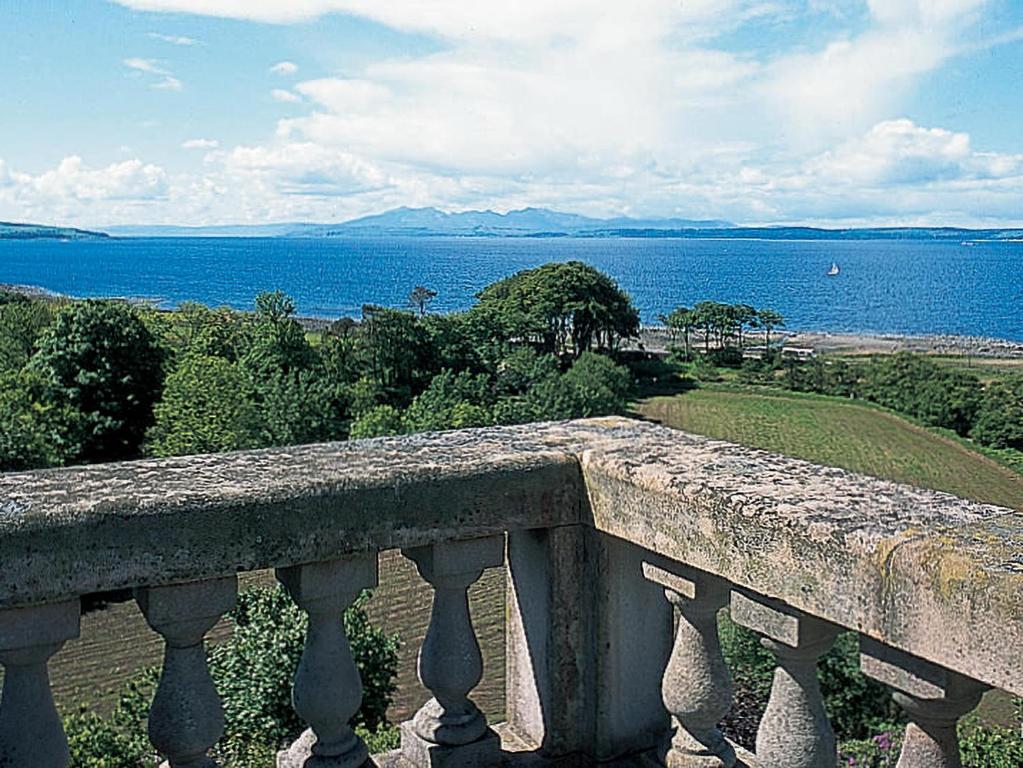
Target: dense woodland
{"points": [[91, 381]]}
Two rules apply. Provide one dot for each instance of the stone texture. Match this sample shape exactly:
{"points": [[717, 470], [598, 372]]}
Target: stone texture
{"points": [[927, 573], [933, 698], [418, 752], [450, 662], [31, 732], [588, 640], [186, 718], [517, 752], [328, 689], [794, 731], [697, 686]]}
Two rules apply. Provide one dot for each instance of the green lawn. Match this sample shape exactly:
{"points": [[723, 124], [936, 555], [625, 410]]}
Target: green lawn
{"points": [[826, 431]]}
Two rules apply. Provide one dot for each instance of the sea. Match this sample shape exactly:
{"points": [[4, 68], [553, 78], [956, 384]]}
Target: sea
{"points": [[908, 287]]}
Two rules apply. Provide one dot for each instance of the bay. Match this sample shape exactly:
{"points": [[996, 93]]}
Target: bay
{"points": [[885, 286]]}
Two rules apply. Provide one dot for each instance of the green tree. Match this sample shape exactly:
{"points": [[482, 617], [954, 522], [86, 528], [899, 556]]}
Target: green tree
{"points": [[708, 316], [22, 324], [276, 343], [999, 421], [100, 358], [421, 298], [207, 407], [769, 319], [299, 407], [563, 308], [682, 320], [197, 329], [395, 350], [35, 432], [743, 316]]}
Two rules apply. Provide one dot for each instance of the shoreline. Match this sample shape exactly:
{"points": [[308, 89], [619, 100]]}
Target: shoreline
{"points": [[654, 338]]}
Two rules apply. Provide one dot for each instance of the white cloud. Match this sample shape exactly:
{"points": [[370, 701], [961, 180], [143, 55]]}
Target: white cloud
{"points": [[151, 66], [165, 79], [303, 168], [851, 82], [72, 179], [200, 144], [173, 39], [288, 97], [525, 20], [168, 83], [284, 68], [899, 152], [608, 108]]}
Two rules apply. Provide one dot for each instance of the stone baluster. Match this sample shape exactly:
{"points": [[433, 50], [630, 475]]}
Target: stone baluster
{"points": [[934, 698], [450, 730], [31, 733], [795, 731], [328, 689], [186, 718], [697, 686]]}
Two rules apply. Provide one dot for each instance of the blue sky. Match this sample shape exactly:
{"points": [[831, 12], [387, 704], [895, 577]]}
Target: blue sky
{"points": [[758, 111]]}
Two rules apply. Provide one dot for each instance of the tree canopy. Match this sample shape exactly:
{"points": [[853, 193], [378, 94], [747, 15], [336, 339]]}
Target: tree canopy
{"points": [[100, 358], [561, 308]]}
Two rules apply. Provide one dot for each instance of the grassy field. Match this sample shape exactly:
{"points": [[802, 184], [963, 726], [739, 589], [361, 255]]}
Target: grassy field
{"points": [[841, 434]]}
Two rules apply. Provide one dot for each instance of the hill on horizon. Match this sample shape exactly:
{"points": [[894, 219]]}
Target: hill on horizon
{"points": [[525, 222], [20, 231]]}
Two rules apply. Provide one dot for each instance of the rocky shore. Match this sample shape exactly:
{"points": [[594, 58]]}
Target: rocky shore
{"points": [[655, 339]]}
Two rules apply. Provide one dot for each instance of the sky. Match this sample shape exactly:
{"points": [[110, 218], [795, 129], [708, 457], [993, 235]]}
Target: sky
{"points": [[825, 112]]}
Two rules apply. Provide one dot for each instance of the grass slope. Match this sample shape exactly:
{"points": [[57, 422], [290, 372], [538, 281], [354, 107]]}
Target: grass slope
{"points": [[841, 434]]}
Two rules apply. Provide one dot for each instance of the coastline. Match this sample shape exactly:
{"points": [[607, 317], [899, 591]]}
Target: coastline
{"points": [[654, 338]]}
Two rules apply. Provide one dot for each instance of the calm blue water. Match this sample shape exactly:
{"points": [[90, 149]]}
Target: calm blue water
{"points": [[885, 287]]}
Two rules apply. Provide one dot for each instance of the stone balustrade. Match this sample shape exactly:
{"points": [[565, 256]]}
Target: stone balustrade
{"points": [[622, 542]]}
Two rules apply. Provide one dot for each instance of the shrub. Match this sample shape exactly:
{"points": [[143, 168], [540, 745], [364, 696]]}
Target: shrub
{"points": [[921, 388], [522, 369], [254, 669], [593, 386], [452, 401], [981, 746], [1000, 416], [377, 422]]}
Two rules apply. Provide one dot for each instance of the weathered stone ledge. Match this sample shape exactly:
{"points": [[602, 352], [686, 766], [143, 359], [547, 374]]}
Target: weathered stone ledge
{"points": [[922, 571]]}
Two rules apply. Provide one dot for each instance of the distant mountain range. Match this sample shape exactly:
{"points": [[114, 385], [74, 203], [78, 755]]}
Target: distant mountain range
{"points": [[528, 222], [10, 231]]}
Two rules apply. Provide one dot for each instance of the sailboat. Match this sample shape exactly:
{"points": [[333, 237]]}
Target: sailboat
{"points": [[834, 270]]}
